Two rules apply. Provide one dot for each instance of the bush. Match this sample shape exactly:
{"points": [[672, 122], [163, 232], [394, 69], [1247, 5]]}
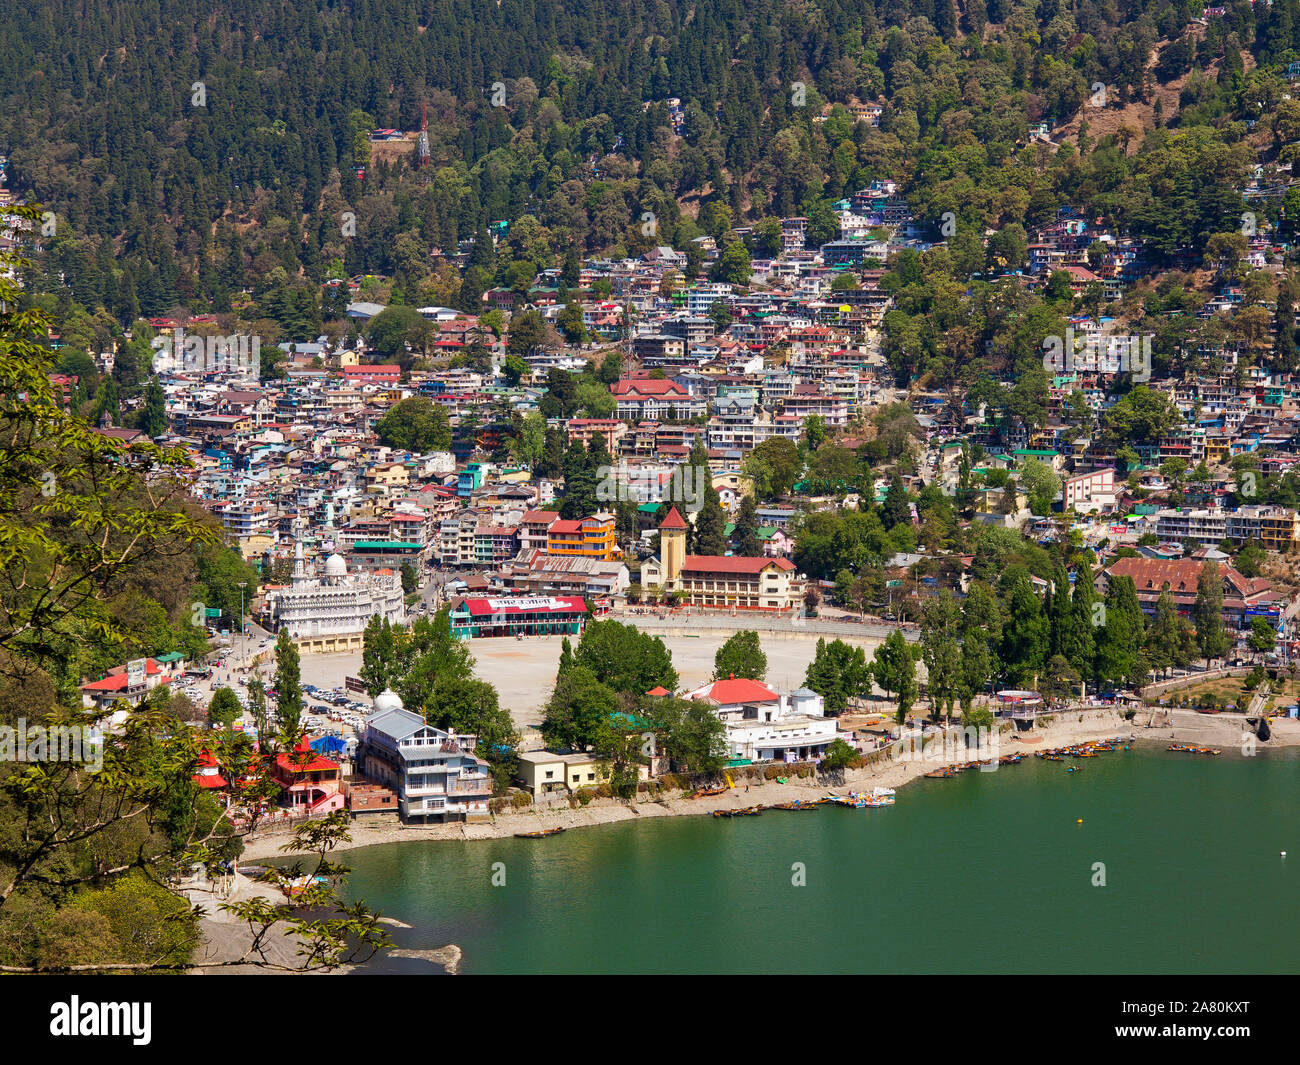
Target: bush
{"points": [[585, 795], [520, 799], [497, 805]]}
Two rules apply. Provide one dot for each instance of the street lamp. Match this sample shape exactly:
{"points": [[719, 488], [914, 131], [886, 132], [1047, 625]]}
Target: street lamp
{"points": [[242, 628]]}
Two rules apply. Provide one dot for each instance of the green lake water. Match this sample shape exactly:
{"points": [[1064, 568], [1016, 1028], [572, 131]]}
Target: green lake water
{"points": [[986, 872]]}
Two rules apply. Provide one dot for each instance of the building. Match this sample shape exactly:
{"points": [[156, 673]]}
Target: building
{"points": [[310, 783], [532, 529], [1092, 492], [435, 774], [543, 772], [1277, 528], [329, 613], [130, 684], [763, 726], [650, 398], [538, 574], [536, 616], [590, 537], [1244, 598], [763, 583]]}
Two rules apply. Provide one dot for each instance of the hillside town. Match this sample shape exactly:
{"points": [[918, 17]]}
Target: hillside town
{"points": [[644, 441]]}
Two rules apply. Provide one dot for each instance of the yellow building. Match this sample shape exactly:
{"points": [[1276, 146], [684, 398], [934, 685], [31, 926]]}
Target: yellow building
{"points": [[726, 581], [591, 537], [542, 772]]}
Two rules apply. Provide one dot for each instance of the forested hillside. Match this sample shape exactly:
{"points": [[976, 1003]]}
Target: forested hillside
{"points": [[188, 155]]}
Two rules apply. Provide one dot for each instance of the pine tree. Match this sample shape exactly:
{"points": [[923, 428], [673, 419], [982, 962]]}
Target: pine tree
{"points": [[153, 417], [1079, 646], [1211, 634], [1060, 620], [1025, 637], [745, 536], [288, 689], [710, 528], [895, 510]]}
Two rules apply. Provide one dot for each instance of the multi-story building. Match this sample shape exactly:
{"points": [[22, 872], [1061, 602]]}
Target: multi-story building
{"points": [[532, 529], [590, 537], [719, 580], [329, 613], [435, 774], [764, 726], [1089, 492]]}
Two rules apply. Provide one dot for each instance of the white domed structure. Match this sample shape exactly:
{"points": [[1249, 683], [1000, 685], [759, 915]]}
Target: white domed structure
{"points": [[335, 566], [387, 700]]}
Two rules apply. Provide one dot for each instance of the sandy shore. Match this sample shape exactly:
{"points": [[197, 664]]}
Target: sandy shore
{"points": [[1067, 729]]}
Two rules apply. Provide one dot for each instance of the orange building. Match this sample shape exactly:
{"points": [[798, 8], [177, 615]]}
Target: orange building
{"points": [[591, 537]]}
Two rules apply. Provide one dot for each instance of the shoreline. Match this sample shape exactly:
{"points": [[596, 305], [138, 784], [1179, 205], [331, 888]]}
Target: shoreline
{"points": [[1078, 727], [1068, 728]]}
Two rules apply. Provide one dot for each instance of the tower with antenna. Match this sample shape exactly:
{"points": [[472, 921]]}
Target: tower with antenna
{"points": [[422, 142]]}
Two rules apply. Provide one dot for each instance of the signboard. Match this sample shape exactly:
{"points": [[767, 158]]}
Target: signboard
{"points": [[135, 673], [353, 684]]}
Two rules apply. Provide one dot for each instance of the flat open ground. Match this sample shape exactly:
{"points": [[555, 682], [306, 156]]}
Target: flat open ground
{"points": [[523, 671]]}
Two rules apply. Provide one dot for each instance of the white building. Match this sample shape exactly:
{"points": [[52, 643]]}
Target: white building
{"points": [[435, 774], [336, 603], [764, 726]]}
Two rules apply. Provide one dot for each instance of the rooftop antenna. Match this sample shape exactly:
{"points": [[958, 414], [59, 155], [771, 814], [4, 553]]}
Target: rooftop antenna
{"points": [[422, 141]]}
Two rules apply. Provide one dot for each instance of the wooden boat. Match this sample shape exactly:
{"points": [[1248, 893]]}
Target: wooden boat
{"points": [[540, 833], [1190, 749], [704, 793], [942, 774], [748, 811], [797, 804]]}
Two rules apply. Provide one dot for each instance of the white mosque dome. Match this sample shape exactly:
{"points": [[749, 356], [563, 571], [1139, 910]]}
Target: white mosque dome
{"points": [[387, 700], [335, 566]]}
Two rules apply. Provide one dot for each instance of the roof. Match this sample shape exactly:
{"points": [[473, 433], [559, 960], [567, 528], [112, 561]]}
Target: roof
{"points": [[673, 520], [564, 604], [304, 760], [1151, 574], [658, 689], [533, 517], [116, 681], [733, 690], [646, 388], [733, 564], [398, 724]]}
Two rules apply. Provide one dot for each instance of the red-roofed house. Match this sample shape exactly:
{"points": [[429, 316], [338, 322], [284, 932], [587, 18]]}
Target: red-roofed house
{"points": [[763, 726], [310, 781], [208, 773], [130, 686], [654, 398]]}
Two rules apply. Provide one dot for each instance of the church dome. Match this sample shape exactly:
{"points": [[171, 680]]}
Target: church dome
{"points": [[335, 566], [387, 700]]}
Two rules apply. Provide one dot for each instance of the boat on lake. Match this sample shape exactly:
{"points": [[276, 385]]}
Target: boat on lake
{"points": [[748, 811], [540, 833]]}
